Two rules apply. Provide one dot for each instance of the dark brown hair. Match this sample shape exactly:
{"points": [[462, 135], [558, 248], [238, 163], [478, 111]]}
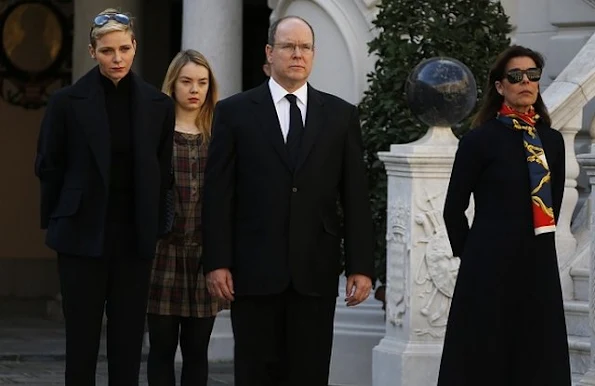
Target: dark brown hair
{"points": [[492, 100]]}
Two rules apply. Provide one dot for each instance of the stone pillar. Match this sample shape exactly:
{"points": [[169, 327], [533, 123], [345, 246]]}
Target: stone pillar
{"points": [[566, 242], [84, 12], [421, 270], [215, 29], [587, 161], [563, 229]]}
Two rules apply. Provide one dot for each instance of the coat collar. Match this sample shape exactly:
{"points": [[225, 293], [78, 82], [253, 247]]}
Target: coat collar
{"points": [[88, 100], [90, 84]]}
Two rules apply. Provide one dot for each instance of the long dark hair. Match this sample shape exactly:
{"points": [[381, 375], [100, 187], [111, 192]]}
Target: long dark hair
{"points": [[492, 100]]}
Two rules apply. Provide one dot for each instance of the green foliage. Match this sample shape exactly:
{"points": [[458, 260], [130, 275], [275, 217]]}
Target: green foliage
{"points": [[409, 31]]}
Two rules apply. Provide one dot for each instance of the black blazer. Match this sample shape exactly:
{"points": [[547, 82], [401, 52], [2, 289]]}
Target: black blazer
{"points": [[272, 226], [73, 162]]}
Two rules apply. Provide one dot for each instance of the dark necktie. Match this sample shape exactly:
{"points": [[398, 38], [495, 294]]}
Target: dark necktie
{"points": [[296, 129]]}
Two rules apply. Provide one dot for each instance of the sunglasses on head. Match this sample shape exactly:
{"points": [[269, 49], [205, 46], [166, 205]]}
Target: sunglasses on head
{"points": [[515, 75], [101, 20]]}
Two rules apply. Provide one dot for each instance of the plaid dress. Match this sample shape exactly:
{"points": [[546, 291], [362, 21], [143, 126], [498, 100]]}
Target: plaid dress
{"points": [[178, 286]]}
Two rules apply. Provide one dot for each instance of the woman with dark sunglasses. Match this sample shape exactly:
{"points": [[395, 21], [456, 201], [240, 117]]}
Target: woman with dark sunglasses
{"points": [[103, 160], [506, 324]]}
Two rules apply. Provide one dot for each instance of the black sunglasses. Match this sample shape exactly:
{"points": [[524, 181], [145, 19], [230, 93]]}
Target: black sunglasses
{"points": [[101, 20], [516, 75]]}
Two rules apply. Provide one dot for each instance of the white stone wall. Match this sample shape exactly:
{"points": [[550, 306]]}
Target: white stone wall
{"points": [[558, 29]]}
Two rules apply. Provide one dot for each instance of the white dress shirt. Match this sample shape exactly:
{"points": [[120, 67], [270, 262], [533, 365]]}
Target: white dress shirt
{"points": [[282, 104]]}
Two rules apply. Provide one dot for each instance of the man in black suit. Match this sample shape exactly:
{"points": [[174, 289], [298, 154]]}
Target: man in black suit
{"points": [[281, 157], [103, 160]]}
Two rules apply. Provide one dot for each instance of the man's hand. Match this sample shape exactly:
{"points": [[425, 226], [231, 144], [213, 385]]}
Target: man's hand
{"points": [[358, 289], [220, 284]]}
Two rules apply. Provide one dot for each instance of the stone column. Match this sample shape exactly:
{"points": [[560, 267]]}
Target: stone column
{"points": [[421, 270], [215, 29], [565, 238], [587, 161]]}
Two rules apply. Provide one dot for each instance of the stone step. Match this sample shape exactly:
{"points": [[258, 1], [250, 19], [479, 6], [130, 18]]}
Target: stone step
{"points": [[580, 354], [577, 318], [580, 279], [24, 307]]}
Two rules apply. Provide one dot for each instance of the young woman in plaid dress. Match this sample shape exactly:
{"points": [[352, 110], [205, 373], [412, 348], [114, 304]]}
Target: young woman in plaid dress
{"points": [[180, 308]]}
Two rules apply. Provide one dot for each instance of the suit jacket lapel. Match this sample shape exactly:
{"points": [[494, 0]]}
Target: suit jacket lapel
{"points": [[314, 122], [89, 106], [267, 115], [139, 107]]}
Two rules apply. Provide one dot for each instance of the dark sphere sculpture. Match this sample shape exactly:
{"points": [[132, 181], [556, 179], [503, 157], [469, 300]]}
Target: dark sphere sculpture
{"points": [[441, 91]]}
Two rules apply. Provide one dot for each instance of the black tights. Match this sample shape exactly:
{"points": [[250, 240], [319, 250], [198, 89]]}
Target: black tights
{"points": [[194, 335]]}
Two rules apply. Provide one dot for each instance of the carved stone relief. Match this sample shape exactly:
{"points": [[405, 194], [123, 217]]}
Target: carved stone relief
{"points": [[397, 236], [436, 272]]}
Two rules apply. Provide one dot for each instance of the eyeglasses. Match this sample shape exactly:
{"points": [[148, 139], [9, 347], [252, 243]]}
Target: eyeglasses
{"points": [[290, 47], [102, 19], [516, 75]]}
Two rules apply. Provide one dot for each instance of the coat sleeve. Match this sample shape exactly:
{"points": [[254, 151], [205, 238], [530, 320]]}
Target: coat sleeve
{"points": [[465, 173], [164, 156], [219, 195], [359, 238], [558, 172], [50, 158]]}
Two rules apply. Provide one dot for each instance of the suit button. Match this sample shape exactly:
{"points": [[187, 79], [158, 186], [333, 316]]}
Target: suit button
{"points": [[294, 189]]}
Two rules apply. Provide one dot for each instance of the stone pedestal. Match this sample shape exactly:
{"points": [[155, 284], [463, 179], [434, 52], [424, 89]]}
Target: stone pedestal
{"points": [[587, 161], [215, 29], [421, 270]]}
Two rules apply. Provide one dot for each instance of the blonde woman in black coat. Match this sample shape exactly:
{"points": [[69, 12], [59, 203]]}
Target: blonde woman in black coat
{"points": [[103, 161]]}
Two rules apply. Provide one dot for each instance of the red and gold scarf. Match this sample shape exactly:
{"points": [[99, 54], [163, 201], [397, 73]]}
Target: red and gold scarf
{"points": [[539, 171]]}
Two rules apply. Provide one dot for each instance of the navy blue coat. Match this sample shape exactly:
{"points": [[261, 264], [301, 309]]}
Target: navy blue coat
{"points": [[73, 163]]}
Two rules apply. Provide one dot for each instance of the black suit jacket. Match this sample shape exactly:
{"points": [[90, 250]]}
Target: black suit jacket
{"points": [[272, 226], [73, 162]]}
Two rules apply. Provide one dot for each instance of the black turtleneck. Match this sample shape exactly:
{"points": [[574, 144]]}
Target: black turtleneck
{"points": [[118, 105]]}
